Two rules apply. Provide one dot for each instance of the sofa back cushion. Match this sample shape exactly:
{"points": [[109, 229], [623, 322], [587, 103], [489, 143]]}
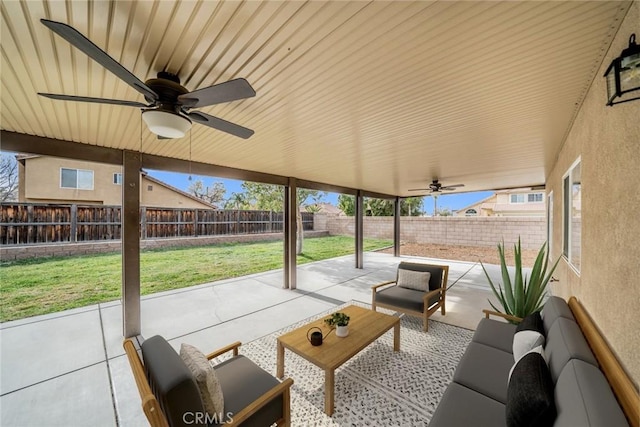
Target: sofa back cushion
{"points": [[583, 397], [565, 342], [171, 381], [436, 272], [554, 308]]}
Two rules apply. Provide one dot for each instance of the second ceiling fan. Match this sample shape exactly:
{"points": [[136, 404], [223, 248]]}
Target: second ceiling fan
{"points": [[167, 112], [435, 188]]}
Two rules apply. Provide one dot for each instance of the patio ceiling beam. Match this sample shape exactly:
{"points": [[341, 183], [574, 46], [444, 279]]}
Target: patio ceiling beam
{"points": [[31, 144]]}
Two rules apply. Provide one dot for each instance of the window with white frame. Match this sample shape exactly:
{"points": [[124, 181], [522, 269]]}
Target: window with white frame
{"points": [[117, 178], [517, 198], [80, 179], [471, 212], [572, 215]]}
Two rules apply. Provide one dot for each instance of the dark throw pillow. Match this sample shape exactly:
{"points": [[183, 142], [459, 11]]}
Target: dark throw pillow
{"points": [[530, 400], [529, 334], [532, 322]]}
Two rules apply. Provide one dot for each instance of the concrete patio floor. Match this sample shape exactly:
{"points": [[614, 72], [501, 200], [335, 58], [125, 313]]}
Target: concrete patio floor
{"points": [[69, 368]]}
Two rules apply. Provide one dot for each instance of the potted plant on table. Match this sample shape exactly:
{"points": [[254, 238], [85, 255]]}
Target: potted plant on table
{"points": [[340, 321], [524, 294]]}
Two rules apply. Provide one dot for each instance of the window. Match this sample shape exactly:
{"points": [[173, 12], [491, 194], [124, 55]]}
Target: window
{"points": [[572, 215], [535, 197], [517, 198], [117, 178], [76, 178], [549, 224], [471, 212]]}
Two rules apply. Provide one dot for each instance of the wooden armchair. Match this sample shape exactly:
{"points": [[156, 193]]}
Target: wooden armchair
{"points": [[419, 290], [170, 395]]}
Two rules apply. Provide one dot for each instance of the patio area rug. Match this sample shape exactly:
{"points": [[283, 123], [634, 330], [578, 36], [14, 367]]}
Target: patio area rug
{"points": [[377, 386]]}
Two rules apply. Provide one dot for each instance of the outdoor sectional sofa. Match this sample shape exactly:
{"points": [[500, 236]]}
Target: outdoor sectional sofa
{"points": [[583, 395]]}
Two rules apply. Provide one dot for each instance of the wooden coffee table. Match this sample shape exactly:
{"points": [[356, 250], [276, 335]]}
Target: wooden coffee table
{"points": [[365, 327]]}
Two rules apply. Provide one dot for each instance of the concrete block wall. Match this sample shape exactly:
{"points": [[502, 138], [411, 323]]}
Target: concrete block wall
{"points": [[464, 231], [13, 253]]}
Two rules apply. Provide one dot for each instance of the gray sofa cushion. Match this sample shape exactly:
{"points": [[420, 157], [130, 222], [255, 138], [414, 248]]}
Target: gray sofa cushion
{"points": [[495, 333], [403, 298], [171, 381], [486, 370], [565, 342], [583, 397], [242, 382], [554, 308], [463, 407]]}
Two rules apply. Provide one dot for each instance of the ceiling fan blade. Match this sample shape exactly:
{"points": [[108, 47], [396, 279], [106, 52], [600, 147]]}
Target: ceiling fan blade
{"points": [[418, 189], [220, 124], [74, 37], [217, 94], [452, 187], [94, 100]]}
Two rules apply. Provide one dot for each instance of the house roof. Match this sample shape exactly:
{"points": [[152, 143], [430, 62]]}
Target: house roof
{"points": [[177, 190], [377, 96]]}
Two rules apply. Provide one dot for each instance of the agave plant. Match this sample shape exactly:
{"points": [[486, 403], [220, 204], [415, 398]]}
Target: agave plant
{"points": [[522, 295]]}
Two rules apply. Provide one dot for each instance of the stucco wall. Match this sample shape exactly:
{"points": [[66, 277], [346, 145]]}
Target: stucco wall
{"points": [[608, 141], [465, 231], [156, 195]]}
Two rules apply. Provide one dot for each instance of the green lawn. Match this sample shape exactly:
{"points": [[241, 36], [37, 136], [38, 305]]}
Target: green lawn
{"points": [[48, 285]]}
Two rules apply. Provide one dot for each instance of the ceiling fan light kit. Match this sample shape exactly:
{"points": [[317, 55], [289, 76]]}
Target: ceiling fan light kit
{"points": [[166, 124], [168, 112]]}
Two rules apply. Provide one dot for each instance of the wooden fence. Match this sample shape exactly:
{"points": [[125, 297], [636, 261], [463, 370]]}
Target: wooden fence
{"points": [[30, 223]]}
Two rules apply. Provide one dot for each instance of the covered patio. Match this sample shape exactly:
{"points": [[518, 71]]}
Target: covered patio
{"points": [[69, 368], [371, 99]]}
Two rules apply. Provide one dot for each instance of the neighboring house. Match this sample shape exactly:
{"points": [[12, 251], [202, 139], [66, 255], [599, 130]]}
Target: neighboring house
{"points": [[44, 179], [324, 207], [521, 202]]}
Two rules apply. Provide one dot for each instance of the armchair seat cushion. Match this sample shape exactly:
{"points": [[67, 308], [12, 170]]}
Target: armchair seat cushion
{"points": [[242, 382], [407, 299]]}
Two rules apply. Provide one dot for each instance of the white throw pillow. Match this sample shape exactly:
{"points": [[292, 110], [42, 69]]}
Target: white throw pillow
{"points": [[205, 377], [524, 341], [537, 349], [416, 280]]}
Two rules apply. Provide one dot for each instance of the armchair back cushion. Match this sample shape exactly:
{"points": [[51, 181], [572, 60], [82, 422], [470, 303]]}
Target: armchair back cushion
{"points": [[436, 272], [171, 381]]}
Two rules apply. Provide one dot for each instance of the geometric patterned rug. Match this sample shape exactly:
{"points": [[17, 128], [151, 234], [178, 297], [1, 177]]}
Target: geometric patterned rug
{"points": [[377, 386]]}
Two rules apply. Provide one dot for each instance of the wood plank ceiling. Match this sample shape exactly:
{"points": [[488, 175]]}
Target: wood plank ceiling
{"points": [[380, 96]]}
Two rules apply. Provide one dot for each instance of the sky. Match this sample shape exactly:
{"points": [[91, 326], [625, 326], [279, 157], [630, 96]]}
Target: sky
{"points": [[451, 201]]}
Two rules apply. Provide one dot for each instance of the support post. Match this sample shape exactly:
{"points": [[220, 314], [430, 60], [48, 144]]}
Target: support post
{"points": [[290, 228], [74, 223], [396, 227], [359, 230], [131, 243]]}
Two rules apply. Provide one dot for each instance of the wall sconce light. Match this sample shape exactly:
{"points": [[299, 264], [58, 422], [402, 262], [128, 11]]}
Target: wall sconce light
{"points": [[623, 75]]}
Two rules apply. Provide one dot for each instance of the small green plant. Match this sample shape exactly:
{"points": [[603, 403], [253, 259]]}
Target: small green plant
{"points": [[337, 319], [522, 295]]}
